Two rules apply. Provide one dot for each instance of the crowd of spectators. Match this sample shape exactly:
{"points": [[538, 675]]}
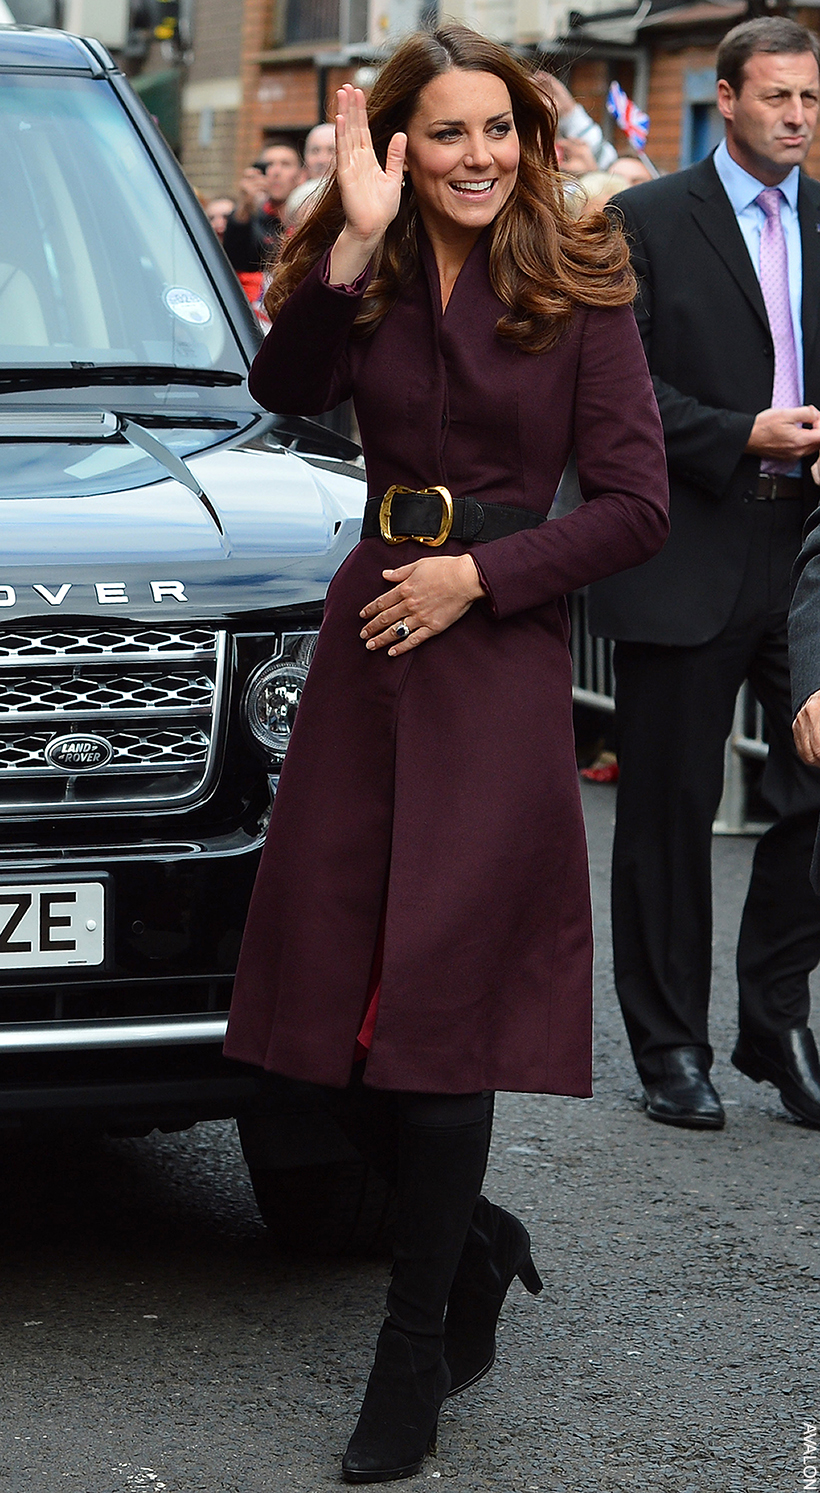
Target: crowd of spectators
{"points": [[275, 193], [272, 196], [593, 169]]}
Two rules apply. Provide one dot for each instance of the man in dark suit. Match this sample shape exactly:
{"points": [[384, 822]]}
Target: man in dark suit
{"points": [[728, 258]]}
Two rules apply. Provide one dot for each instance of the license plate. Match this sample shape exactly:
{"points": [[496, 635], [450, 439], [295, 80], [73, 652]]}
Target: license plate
{"points": [[48, 924]]}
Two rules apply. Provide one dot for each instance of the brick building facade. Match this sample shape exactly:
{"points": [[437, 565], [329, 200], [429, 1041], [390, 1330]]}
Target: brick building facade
{"points": [[262, 69], [247, 84], [674, 49], [212, 97]]}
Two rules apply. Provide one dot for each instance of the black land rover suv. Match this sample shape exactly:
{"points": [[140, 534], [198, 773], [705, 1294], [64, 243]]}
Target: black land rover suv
{"points": [[166, 546]]}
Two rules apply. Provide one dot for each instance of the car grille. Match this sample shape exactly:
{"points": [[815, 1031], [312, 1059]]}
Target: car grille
{"points": [[149, 697]]}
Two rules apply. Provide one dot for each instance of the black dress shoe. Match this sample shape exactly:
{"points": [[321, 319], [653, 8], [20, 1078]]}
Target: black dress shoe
{"points": [[685, 1096], [788, 1060]]}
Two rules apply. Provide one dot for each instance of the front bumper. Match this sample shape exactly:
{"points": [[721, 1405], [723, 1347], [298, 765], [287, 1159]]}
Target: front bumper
{"points": [[135, 1043]]}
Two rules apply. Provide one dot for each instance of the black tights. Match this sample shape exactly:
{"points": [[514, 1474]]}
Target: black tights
{"points": [[432, 1148], [370, 1117]]}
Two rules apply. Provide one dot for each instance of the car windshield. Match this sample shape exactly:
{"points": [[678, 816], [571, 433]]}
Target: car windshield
{"points": [[96, 263]]}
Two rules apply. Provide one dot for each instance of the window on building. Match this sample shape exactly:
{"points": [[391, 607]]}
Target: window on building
{"points": [[701, 120], [357, 18], [311, 20], [35, 12], [344, 21]]}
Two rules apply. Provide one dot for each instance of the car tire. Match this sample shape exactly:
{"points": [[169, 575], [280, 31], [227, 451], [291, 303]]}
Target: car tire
{"points": [[327, 1208]]}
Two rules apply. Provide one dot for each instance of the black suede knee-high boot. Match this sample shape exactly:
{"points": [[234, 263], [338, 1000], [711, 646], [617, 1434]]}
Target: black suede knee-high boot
{"points": [[496, 1250], [441, 1158]]}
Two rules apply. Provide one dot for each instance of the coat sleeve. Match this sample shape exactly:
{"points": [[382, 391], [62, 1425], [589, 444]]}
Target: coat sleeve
{"points": [[703, 444], [303, 366], [804, 618], [622, 473]]}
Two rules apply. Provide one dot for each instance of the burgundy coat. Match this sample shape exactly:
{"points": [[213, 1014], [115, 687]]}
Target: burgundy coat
{"points": [[444, 780]]}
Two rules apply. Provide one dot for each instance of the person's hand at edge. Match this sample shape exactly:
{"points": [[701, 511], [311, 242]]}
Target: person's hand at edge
{"points": [[806, 730], [251, 193], [788, 434]]}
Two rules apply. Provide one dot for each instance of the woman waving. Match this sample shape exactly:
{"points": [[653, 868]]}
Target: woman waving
{"points": [[419, 934]]}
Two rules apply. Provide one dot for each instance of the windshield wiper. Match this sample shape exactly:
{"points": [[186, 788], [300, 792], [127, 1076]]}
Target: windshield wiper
{"points": [[80, 375]]}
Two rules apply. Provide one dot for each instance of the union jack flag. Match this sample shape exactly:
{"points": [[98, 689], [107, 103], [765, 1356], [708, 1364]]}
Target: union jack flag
{"points": [[631, 119]]}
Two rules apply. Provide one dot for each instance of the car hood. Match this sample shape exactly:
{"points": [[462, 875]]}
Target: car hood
{"points": [[268, 533]]}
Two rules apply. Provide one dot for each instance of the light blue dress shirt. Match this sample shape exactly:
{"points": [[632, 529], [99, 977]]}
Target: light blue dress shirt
{"points": [[741, 189]]}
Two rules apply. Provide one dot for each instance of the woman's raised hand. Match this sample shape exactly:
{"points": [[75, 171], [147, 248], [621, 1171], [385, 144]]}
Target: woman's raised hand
{"points": [[370, 195]]}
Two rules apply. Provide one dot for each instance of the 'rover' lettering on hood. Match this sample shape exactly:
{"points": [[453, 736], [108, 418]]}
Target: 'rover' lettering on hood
{"points": [[106, 593]]}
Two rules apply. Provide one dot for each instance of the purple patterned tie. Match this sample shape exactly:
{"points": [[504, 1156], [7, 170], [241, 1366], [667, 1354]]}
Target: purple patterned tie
{"points": [[774, 283]]}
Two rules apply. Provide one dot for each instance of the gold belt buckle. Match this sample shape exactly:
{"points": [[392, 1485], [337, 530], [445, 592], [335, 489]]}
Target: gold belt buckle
{"points": [[446, 516]]}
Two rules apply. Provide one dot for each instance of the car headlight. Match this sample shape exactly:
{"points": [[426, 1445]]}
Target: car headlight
{"points": [[273, 692]]}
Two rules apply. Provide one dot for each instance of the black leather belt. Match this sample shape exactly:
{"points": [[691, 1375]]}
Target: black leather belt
{"points": [[771, 486], [430, 515]]}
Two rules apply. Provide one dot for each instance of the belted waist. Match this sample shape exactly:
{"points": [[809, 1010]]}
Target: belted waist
{"points": [[772, 486], [431, 516]]}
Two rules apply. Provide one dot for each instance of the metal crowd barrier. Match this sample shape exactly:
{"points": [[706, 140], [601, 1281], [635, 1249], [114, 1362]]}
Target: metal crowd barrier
{"points": [[593, 684], [593, 681], [747, 740]]}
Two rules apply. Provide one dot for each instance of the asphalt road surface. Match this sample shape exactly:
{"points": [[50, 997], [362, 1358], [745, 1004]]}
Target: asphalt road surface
{"points": [[151, 1339]]}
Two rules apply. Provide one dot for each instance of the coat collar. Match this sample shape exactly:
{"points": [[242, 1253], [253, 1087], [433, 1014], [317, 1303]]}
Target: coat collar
{"points": [[473, 272]]}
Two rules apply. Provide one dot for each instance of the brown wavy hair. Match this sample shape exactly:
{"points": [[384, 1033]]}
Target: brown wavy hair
{"points": [[543, 263]]}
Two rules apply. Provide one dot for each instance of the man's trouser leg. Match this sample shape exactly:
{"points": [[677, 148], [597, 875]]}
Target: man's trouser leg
{"points": [[674, 711], [779, 941]]}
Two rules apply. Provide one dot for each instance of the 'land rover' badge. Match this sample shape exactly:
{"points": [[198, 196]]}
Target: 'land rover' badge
{"points": [[78, 753]]}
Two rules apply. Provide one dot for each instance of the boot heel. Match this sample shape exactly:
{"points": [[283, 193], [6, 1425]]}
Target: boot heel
{"points": [[529, 1277], [498, 1248], [432, 1445]]}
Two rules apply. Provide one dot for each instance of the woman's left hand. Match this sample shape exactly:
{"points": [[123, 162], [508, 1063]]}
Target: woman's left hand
{"points": [[427, 597]]}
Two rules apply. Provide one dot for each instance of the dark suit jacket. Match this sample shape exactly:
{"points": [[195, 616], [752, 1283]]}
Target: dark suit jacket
{"points": [[710, 352]]}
